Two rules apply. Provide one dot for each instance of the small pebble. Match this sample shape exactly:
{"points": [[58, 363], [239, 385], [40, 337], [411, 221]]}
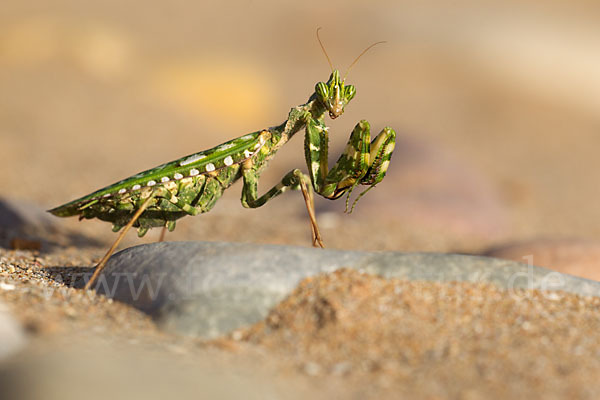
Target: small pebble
{"points": [[7, 286]]}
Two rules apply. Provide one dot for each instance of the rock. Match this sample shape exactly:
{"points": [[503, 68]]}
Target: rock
{"points": [[27, 226], [208, 289], [12, 336], [428, 188], [17, 214], [22, 224], [578, 257]]}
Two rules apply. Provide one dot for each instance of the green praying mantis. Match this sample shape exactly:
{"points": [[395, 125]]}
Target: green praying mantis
{"points": [[192, 185]]}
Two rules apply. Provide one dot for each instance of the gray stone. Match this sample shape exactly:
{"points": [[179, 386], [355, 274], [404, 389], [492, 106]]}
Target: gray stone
{"points": [[208, 289], [23, 215], [12, 335], [24, 220], [26, 226]]}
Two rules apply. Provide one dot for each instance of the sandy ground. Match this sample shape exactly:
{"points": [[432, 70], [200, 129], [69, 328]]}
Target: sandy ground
{"points": [[346, 335], [495, 106]]}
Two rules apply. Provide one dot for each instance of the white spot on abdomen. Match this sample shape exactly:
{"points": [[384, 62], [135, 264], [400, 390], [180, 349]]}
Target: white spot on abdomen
{"points": [[226, 146], [192, 159], [136, 187], [151, 183], [164, 179], [121, 191], [177, 176], [210, 167], [194, 172], [228, 161]]}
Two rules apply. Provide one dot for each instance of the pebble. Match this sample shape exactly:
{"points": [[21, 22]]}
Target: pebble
{"points": [[207, 289], [6, 286]]}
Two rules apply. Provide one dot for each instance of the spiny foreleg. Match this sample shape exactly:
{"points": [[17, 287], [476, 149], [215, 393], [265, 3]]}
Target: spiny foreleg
{"points": [[380, 154], [362, 162]]}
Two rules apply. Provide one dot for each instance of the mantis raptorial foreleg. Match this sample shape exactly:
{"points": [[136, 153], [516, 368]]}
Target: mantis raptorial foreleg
{"points": [[380, 154], [362, 162]]}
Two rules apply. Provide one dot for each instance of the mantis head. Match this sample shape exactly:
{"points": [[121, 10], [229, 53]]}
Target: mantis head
{"points": [[334, 94]]}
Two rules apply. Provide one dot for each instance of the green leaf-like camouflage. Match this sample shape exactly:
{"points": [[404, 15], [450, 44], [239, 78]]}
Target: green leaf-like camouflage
{"points": [[191, 185]]}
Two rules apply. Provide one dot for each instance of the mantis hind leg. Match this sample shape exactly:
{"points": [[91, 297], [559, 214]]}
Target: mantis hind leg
{"points": [[293, 180], [177, 201], [112, 248], [169, 226], [163, 232]]}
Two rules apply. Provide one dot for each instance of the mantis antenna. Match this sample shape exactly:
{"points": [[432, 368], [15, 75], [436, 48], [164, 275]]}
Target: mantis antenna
{"points": [[353, 62], [323, 48], [359, 56]]}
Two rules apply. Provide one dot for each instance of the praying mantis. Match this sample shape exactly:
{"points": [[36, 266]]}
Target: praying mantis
{"points": [[192, 184]]}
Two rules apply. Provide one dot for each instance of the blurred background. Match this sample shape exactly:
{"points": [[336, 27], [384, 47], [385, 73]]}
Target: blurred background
{"points": [[495, 104]]}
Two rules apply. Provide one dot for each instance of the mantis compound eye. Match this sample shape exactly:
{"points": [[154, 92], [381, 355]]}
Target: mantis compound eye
{"points": [[322, 91], [349, 92]]}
